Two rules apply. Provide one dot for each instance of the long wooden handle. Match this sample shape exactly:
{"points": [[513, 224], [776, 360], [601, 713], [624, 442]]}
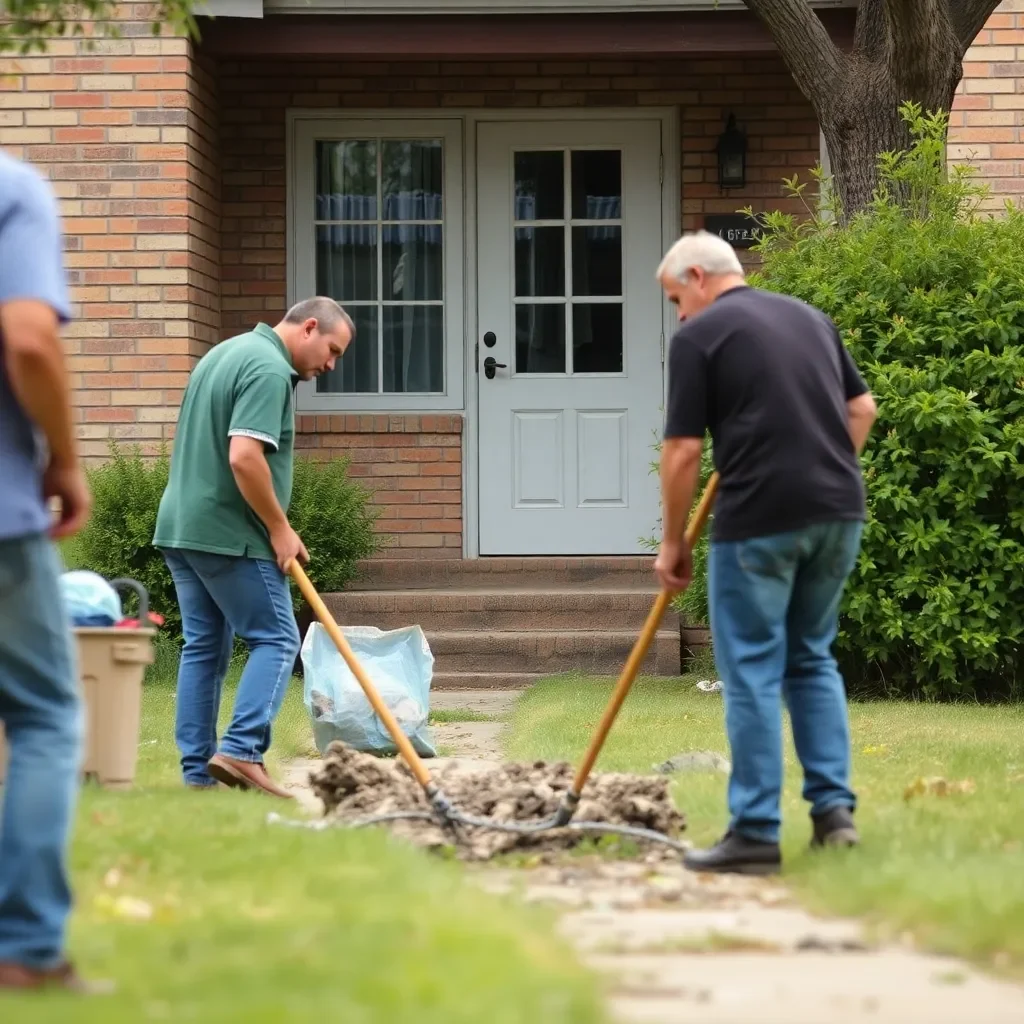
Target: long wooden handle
{"points": [[643, 644], [405, 747]]}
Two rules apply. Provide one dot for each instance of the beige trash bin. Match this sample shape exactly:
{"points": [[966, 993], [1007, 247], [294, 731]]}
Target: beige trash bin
{"points": [[111, 667]]}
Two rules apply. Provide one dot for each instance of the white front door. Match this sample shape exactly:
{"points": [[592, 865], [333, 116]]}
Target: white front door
{"points": [[570, 235]]}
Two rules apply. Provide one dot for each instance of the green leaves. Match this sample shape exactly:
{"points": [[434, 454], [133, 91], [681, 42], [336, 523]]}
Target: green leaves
{"points": [[928, 294], [333, 515], [26, 26]]}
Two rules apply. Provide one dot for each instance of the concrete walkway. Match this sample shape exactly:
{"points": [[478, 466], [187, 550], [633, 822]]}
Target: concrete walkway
{"points": [[676, 947]]}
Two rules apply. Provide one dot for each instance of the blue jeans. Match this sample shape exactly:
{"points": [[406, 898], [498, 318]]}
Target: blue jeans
{"points": [[774, 605], [44, 725], [221, 596]]}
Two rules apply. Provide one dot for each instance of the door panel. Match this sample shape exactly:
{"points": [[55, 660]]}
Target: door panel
{"points": [[569, 217]]}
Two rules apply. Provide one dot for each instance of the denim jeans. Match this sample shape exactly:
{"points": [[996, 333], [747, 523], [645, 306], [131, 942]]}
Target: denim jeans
{"points": [[222, 596], [44, 725], [774, 605]]}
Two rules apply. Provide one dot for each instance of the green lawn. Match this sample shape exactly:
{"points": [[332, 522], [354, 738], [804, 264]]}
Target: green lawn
{"points": [[950, 869], [255, 923]]}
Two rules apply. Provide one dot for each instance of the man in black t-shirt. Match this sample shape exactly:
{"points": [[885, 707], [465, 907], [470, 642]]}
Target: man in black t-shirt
{"points": [[788, 414]]}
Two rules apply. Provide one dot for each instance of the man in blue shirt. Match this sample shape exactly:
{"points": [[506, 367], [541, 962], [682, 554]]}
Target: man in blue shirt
{"points": [[39, 702]]}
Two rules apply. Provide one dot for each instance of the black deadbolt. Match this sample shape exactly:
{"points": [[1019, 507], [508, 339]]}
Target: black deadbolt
{"points": [[490, 339], [490, 365]]}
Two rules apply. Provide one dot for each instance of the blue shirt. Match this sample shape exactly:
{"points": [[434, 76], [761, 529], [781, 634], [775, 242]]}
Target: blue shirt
{"points": [[31, 267]]}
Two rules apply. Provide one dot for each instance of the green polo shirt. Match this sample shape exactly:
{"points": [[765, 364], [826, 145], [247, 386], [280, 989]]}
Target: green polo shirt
{"points": [[242, 386]]}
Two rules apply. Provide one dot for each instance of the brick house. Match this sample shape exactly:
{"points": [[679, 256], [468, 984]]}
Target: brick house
{"points": [[478, 182]]}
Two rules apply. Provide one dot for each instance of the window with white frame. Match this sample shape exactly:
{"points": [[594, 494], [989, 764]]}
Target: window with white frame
{"points": [[377, 217]]}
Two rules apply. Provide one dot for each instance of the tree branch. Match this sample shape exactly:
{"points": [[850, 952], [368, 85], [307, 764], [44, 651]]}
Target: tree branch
{"points": [[806, 47], [871, 36], [968, 17]]}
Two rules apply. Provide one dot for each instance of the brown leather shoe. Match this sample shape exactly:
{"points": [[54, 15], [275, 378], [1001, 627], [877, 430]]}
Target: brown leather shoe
{"points": [[19, 978], [244, 775]]}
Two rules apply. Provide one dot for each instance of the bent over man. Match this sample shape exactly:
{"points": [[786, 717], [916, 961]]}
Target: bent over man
{"points": [[788, 413], [224, 531]]}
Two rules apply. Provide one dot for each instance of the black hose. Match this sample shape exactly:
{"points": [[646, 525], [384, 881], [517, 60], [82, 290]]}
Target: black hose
{"points": [[454, 817]]}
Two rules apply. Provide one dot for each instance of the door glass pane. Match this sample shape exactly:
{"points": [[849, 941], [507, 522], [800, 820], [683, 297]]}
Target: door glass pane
{"points": [[411, 174], [413, 349], [346, 262], [346, 180], [596, 184], [597, 260], [597, 338], [356, 371], [540, 261], [412, 261], [540, 338], [540, 186]]}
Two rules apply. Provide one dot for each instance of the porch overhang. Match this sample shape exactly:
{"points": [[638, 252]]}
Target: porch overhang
{"points": [[643, 34]]}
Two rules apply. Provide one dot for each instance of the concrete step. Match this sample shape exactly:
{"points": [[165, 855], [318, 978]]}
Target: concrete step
{"points": [[587, 609], [499, 573], [550, 651], [484, 680]]}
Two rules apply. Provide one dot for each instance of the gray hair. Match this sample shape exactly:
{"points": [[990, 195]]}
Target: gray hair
{"points": [[702, 249], [327, 313]]}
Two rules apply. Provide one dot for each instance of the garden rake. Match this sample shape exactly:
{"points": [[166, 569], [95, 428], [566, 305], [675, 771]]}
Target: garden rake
{"points": [[442, 809]]}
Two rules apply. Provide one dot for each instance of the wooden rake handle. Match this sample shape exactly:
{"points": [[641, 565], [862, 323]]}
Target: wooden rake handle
{"points": [[643, 644], [405, 747]]}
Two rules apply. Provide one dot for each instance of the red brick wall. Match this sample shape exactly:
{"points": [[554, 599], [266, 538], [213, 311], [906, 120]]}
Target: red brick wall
{"points": [[987, 124], [126, 132], [414, 466]]}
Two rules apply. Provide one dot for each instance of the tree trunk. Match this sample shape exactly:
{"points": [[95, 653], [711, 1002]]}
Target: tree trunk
{"points": [[861, 119], [904, 50]]}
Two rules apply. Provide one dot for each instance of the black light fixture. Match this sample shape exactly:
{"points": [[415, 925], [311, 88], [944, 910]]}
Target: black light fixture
{"points": [[732, 156]]}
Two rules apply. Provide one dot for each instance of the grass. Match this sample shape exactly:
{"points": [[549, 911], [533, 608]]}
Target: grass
{"points": [[200, 911], [451, 715], [945, 868]]}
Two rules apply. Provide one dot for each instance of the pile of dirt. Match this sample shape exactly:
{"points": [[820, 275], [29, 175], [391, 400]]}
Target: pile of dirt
{"points": [[355, 786]]}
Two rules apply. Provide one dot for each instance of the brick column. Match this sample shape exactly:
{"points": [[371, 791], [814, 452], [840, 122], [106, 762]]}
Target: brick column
{"points": [[126, 133], [987, 123]]}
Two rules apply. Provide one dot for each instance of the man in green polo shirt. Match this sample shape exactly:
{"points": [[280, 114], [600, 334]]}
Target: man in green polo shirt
{"points": [[224, 532]]}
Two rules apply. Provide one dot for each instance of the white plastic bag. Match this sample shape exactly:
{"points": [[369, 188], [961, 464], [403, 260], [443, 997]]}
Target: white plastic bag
{"points": [[400, 665]]}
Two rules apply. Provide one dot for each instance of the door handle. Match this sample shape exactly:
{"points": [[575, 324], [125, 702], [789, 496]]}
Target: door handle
{"points": [[490, 365]]}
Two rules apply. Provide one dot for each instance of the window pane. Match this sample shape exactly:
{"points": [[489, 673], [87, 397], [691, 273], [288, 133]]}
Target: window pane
{"points": [[540, 261], [413, 261], [596, 184], [346, 180], [346, 262], [540, 339], [356, 371], [597, 338], [597, 261], [411, 173], [413, 349], [540, 186]]}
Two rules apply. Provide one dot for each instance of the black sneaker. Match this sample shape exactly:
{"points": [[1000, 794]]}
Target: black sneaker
{"points": [[737, 855], [834, 828]]}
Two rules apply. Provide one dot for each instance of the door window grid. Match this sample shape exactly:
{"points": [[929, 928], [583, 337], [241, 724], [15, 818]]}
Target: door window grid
{"points": [[376, 220], [575, 306]]}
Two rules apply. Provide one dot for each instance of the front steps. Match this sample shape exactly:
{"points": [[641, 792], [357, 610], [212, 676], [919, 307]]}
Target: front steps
{"points": [[503, 623]]}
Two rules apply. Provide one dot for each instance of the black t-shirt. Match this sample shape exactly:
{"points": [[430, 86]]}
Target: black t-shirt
{"points": [[769, 377]]}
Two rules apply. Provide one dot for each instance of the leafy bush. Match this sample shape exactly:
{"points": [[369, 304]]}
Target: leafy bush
{"points": [[331, 513], [692, 604], [928, 294]]}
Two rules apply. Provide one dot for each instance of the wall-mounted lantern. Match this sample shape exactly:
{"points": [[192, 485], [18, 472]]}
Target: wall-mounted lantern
{"points": [[732, 156]]}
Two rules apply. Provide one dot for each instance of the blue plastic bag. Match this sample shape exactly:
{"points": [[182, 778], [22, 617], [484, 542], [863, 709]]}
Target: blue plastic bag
{"points": [[400, 665], [89, 599]]}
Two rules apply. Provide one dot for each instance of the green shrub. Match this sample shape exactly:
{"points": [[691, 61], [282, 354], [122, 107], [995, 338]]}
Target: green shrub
{"points": [[332, 514], [929, 297], [692, 604]]}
